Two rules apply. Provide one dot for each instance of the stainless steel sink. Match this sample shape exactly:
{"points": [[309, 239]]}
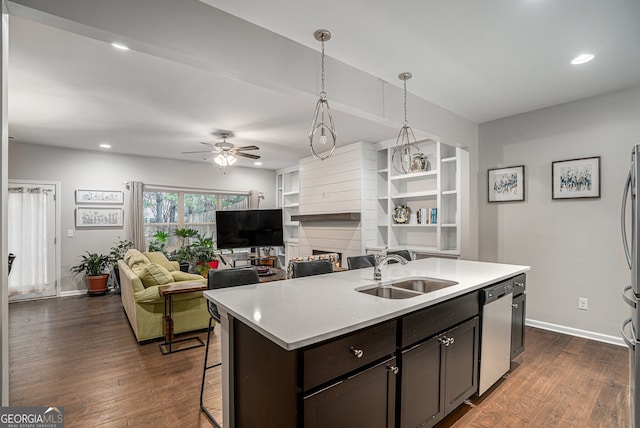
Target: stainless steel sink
{"points": [[407, 287], [389, 292], [423, 285]]}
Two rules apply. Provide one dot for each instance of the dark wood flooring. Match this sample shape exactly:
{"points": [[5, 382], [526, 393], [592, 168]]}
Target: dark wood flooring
{"points": [[80, 353]]}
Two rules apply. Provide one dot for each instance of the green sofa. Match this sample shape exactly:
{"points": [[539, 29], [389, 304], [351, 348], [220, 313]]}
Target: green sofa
{"points": [[140, 276]]}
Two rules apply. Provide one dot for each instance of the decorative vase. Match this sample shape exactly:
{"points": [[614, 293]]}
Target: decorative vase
{"points": [[419, 163], [97, 284]]}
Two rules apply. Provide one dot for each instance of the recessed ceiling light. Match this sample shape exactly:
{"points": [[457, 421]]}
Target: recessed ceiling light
{"points": [[105, 146], [582, 59], [257, 163], [120, 46]]}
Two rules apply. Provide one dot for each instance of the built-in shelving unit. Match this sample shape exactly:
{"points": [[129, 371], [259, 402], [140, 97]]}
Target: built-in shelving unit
{"points": [[437, 188], [288, 198]]}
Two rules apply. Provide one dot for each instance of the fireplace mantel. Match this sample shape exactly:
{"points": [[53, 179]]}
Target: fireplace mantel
{"points": [[354, 216]]}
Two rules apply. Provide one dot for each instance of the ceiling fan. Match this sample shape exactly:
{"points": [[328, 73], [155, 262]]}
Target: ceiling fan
{"points": [[226, 151]]}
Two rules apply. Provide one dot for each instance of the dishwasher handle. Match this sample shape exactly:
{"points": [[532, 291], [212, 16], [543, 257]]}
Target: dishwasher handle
{"points": [[631, 342]]}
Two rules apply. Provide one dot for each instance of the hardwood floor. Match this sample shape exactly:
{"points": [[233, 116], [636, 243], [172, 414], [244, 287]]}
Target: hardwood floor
{"points": [[80, 353]]}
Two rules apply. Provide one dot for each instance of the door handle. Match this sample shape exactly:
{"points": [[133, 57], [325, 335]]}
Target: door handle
{"points": [[514, 305]]}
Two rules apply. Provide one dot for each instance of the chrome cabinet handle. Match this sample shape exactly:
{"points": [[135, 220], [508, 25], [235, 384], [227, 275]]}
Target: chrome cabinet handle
{"points": [[357, 352], [514, 305], [519, 284], [446, 341], [393, 369]]}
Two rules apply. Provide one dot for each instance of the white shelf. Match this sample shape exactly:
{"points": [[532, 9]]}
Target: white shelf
{"points": [[290, 193], [411, 175], [383, 225], [291, 205], [446, 160], [449, 225], [415, 225], [383, 171], [382, 198], [292, 224], [414, 195], [449, 192]]}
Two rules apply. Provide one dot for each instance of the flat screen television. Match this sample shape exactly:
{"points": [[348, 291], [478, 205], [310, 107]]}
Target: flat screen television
{"points": [[249, 228]]}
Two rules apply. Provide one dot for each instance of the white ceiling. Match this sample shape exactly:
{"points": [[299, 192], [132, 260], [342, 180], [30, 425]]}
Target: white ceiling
{"points": [[482, 60]]}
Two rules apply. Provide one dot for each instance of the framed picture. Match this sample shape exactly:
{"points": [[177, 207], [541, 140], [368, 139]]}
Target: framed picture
{"points": [[99, 217], [506, 184], [99, 196], [576, 178]]}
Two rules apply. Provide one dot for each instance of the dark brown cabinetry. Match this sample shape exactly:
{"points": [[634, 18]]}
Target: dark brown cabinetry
{"points": [[438, 375], [519, 315], [366, 399]]}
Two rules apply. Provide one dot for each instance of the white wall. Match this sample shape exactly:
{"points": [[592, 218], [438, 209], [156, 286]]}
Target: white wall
{"points": [[77, 169], [573, 246]]}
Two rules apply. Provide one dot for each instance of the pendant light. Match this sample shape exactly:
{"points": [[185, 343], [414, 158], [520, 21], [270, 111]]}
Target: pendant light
{"points": [[323, 131], [406, 145]]}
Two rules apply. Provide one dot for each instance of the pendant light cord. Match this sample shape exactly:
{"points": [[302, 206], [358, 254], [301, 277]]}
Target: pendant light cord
{"points": [[323, 94]]}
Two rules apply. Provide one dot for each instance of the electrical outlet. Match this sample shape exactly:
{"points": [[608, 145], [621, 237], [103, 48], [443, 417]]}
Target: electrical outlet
{"points": [[583, 303], [70, 233]]}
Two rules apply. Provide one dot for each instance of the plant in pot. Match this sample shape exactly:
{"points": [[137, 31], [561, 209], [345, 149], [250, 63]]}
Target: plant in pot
{"points": [[206, 255], [94, 266], [117, 253], [184, 254], [159, 242]]}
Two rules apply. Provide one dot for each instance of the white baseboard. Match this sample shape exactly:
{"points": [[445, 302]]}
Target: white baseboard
{"points": [[614, 340], [73, 293]]}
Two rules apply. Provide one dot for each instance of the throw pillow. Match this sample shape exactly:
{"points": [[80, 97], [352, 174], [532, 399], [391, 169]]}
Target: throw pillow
{"points": [[154, 274], [161, 259], [134, 257]]}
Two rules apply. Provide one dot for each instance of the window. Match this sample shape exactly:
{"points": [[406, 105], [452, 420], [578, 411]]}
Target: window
{"points": [[167, 210]]}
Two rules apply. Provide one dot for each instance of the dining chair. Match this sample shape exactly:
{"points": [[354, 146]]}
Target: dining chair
{"points": [[223, 278], [311, 267], [361, 262], [405, 254]]}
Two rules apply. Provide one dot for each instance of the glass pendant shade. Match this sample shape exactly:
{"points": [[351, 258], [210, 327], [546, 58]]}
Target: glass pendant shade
{"points": [[323, 131], [225, 159]]}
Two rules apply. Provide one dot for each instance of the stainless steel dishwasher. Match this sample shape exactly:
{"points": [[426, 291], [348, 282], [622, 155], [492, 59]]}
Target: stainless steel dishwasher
{"points": [[495, 342]]}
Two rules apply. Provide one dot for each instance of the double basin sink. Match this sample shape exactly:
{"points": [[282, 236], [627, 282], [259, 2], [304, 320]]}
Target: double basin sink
{"points": [[407, 287]]}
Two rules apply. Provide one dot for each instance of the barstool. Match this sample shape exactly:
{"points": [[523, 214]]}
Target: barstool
{"points": [[223, 278]]}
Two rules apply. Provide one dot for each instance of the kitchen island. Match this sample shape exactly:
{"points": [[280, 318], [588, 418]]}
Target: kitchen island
{"points": [[285, 343]]}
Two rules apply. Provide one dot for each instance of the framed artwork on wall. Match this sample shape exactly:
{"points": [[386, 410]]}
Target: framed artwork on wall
{"points": [[99, 196], [506, 184], [99, 217], [576, 178]]}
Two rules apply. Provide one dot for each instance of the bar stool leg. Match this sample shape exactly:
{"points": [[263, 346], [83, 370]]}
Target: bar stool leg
{"points": [[204, 374]]}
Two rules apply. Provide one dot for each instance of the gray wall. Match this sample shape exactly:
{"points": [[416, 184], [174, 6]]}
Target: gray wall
{"points": [[573, 246], [77, 169]]}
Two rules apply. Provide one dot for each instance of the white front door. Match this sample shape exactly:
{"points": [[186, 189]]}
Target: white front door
{"points": [[32, 239]]}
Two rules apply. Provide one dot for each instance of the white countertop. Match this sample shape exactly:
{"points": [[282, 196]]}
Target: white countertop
{"points": [[303, 311]]}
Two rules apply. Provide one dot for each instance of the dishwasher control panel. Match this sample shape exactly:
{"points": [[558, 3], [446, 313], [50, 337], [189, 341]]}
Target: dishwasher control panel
{"points": [[496, 291]]}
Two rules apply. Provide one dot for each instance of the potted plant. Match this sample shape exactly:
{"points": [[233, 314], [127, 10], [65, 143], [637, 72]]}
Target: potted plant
{"points": [[94, 266], [117, 253], [159, 242], [206, 255], [184, 254]]}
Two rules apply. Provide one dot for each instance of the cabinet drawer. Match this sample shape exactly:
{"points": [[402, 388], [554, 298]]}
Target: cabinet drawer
{"points": [[337, 357], [427, 322]]}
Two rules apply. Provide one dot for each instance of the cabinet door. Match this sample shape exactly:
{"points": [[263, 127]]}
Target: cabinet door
{"points": [[421, 390], [517, 325], [366, 399], [461, 365]]}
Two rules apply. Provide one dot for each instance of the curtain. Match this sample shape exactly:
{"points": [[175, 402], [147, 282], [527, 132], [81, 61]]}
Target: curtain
{"points": [[27, 238], [137, 214]]}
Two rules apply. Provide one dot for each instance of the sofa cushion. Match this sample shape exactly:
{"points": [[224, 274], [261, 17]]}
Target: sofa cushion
{"points": [[134, 258], [154, 274], [161, 259], [184, 276]]}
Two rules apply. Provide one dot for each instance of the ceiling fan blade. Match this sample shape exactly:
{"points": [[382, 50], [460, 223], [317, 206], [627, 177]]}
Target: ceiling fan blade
{"points": [[208, 144], [205, 151], [248, 148], [247, 155]]}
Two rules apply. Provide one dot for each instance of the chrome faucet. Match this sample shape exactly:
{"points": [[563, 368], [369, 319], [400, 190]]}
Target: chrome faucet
{"points": [[381, 258]]}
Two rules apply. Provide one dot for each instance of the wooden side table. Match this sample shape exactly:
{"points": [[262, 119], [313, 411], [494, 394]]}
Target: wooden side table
{"points": [[168, 291]]}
